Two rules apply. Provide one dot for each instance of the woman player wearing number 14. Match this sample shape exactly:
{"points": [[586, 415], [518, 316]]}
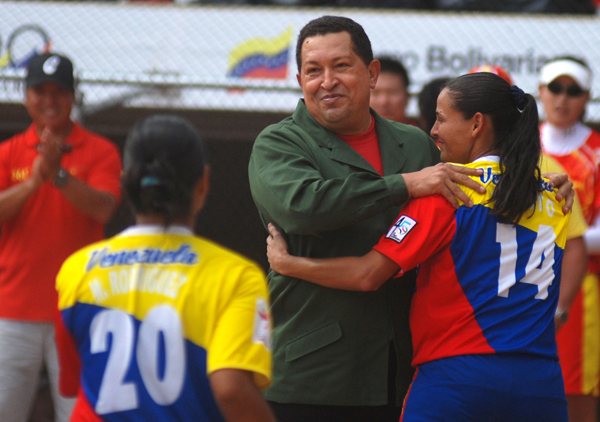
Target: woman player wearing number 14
{"points": [[482, 317], [167, 326]]}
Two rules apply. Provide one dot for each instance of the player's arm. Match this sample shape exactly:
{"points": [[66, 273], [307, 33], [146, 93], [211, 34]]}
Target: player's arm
{"points": [[292, 188], [574, 269], [288, 187], [443, 179], [238, 396], [574, 264], [565, 189], [13, 199], [239, 356], [364, 273]]}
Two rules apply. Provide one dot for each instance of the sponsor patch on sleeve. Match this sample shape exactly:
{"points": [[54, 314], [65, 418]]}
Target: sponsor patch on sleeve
{"points": [[401, 228], [262, 324]]}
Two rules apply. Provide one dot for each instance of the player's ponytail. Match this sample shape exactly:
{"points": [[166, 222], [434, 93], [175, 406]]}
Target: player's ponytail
{"points": [[516, 137], [519, 184], [164, 157]]}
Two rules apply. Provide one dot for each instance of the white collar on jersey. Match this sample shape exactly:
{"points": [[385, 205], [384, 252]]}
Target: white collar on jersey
{"points": [[492, 158], [564, 141], [142, 229]]}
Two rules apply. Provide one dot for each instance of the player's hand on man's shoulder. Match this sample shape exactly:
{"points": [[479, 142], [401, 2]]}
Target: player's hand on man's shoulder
{"points": [[565, 189], [443, 179]]}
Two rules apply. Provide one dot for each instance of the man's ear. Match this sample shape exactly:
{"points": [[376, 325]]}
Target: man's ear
{"points": [[374, 70]]}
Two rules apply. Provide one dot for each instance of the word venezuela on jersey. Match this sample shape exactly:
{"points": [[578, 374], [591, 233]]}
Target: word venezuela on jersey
{"points": [[150, 314]]}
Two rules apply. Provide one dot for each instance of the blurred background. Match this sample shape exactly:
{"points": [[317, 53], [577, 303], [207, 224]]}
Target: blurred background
{"points": [[229, 67]]}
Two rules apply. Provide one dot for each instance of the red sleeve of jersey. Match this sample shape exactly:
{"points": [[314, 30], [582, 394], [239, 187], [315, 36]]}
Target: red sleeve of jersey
{"points": [[424, 227], [68, 359]]}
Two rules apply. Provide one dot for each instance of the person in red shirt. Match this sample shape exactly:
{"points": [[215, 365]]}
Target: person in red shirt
{"points": [[565, 84], [59, 185]]}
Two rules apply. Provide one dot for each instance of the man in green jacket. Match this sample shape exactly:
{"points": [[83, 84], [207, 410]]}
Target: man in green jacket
{"points": [[332, 178]]}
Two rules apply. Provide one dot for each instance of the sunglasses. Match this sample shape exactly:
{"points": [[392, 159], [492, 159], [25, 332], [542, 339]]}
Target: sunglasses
{"points": [[573, 90]]}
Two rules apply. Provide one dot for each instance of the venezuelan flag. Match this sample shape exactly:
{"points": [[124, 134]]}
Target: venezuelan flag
{"points": [[261, 58]]}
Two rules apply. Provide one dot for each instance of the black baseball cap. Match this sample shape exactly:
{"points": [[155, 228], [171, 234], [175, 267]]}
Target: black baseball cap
{"points": [[50, 67]]}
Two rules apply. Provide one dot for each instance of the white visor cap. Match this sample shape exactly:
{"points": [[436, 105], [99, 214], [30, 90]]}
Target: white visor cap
{"points": [[578, 72]]}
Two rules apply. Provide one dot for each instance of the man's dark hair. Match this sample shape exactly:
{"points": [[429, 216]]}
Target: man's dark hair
{"points": [[333, 25], [428, 102], [391, 65]]}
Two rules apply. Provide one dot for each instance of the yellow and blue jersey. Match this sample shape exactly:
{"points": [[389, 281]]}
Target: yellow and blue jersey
{"points": [[483, 286], [152, 312]]}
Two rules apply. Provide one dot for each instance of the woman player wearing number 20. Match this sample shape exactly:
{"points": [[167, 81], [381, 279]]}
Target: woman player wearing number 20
{"points": [[482, 317], [166, 326]]}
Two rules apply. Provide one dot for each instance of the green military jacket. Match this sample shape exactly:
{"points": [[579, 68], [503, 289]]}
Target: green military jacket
{"points": [[331, 346]]}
